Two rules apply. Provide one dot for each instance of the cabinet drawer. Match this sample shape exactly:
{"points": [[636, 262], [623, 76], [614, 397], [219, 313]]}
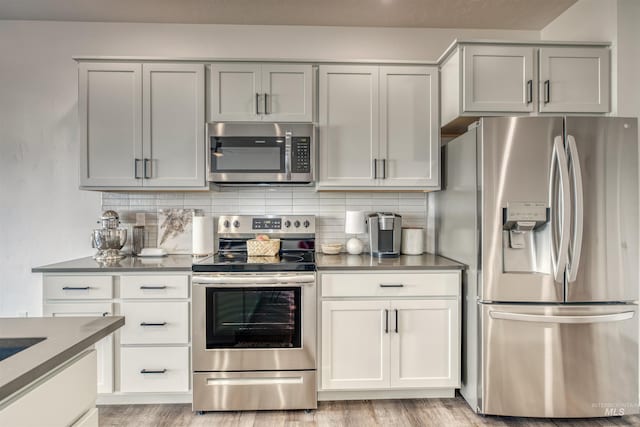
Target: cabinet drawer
{"points": [[153, 369], [390, 284], [155, 323], [78, 287], [156, 286]]}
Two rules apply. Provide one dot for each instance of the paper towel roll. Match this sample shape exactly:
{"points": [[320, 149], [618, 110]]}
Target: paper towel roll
{"points": [[202, 242]]}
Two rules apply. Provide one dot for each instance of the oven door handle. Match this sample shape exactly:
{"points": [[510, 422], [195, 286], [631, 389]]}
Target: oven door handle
{"points": [[252, 280]]}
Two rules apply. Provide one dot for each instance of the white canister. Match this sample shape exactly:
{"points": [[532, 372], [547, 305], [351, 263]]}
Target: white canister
{"points": [[412, 241]]}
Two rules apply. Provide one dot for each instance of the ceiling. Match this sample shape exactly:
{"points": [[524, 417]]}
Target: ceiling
{"points": [[488, 14]]}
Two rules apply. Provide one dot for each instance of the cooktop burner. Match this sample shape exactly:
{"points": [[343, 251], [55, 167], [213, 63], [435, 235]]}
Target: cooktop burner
{"points": [[240, 262]]}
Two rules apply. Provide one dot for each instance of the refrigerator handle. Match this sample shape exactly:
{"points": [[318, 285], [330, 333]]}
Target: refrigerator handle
{"points": [[559, 255], [541, 318], [576, 244]]}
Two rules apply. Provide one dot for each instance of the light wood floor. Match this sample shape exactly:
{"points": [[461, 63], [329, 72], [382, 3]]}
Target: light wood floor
{"points": [[418, 412]]}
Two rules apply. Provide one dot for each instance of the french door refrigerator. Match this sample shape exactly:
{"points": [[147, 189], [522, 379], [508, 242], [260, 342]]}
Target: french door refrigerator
{"points": [[544, 211]]}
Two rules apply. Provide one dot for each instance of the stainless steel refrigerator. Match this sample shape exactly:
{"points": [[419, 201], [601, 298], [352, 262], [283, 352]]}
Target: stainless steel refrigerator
{"points": [[544, 211]]}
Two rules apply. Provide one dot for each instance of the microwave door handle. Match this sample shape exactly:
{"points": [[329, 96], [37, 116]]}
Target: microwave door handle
{"points": [[287, 155]]}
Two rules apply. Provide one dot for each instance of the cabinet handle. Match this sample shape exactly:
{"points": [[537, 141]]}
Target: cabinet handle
{"points": [[384, 168], [375, 168], [143, 287], [529, 91], [135, 168], [386, 321], [105, 314], [257, 103], [147, 170], [396, 320], [153, 371], [266, 104], [153, 324], [391, 285], [76, 288], [547, 91]]}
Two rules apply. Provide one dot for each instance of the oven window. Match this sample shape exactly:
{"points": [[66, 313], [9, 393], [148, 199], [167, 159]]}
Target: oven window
{"points": [[254, 318]]}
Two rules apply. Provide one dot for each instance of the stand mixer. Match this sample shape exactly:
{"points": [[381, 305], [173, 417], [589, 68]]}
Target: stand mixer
{"points": [[109, 239]]}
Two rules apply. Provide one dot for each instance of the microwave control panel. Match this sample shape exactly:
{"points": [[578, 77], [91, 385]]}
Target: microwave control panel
{"points": [[301, 154]]}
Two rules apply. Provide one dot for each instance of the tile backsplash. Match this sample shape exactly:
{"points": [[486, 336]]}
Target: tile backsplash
{"points": [[329, 207]]}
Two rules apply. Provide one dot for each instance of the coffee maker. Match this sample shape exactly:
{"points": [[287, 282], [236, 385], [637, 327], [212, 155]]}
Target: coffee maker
{"points": [[385, 231]]}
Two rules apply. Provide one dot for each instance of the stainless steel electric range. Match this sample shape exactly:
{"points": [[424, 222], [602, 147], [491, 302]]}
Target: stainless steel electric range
{"points": [[254, 318]]}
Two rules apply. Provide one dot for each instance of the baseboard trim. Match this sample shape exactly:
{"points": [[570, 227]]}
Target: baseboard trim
{"points": [[143, 398], [385, 394]]}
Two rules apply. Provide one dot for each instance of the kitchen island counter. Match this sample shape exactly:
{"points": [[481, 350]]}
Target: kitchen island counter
{"points": [[64, 338], [128, 264], [425, 261]]}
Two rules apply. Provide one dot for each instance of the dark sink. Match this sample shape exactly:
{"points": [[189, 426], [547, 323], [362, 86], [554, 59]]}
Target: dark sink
{"points": [[11, 346]]}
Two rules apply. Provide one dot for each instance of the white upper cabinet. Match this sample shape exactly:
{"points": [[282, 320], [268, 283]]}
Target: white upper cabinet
{"points": [[287, 92], [349, 125], [574, 80], [498, 78], [234, 92], [110, 114], [142, 126], [504, 79], [173, 131], [378, 127], [409, 126], [260, 92]]}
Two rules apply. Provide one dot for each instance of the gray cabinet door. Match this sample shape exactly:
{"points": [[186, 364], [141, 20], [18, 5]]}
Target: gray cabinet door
{"points": [[498, 79], [173, 131], [574, 80], [235, 92], [110, 114], [409, 126], [349, 119], [287, 92]]}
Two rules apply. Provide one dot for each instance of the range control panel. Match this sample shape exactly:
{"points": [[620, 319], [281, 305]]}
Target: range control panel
{"points": [[281, 224]]}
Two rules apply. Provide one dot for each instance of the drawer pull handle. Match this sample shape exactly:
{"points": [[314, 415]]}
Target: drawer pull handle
{"points": [[76, 288], [105, 314], [144, 287], [153, 371], [392, 285], [153, 324]]}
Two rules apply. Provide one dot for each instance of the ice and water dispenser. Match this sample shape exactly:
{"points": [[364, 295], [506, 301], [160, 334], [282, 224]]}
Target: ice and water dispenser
{"points": [[525, 237]]}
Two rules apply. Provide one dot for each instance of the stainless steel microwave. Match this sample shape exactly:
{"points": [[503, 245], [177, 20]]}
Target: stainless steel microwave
{"points": [[260, 153]]}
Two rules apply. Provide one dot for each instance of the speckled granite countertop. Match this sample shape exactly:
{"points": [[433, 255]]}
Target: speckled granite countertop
{"points": [[65, 337], [130, 263], [403, 262]]}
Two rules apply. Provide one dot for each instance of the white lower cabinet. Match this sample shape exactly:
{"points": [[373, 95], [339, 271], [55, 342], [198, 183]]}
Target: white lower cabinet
{"points": [[149, 356], [153, 369], [424, 343], [354, 345], [104, 347], [383, 331]]}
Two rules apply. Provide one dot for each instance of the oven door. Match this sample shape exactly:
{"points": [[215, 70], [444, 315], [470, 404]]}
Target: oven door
{"points": [[246, 322]]}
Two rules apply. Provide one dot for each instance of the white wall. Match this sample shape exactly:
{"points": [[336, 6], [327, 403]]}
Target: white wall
{"points": [[44, 217]]}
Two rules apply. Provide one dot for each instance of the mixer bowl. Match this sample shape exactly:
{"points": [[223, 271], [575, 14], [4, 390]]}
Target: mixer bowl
{"points": [[109, 238]]}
